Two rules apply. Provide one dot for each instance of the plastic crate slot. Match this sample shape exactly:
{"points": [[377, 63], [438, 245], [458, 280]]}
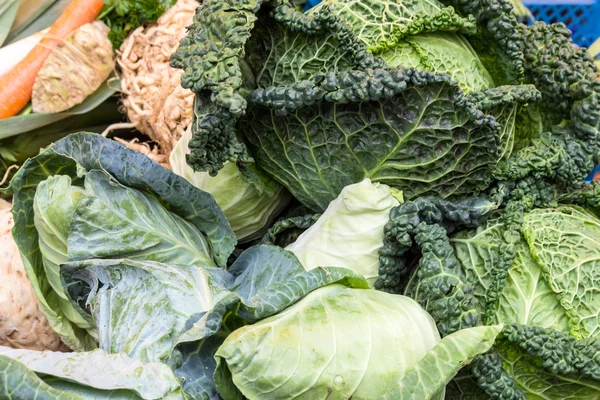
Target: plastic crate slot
{"points": [[582, 17]]}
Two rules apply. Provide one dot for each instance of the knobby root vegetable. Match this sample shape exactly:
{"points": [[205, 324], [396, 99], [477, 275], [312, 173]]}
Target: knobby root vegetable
{"points": [[22, 325], [74, 70], [16, 86], [154, 100]]}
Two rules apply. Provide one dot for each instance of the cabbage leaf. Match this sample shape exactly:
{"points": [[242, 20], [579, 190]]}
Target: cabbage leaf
{"points": [[349, 234]]}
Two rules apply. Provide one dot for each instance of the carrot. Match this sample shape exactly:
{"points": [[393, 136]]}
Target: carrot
{"points": [[17, 84]]}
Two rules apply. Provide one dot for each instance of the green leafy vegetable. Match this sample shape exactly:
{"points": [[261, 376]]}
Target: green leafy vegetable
{"points": [[310, 350], [350, 232], [445, 98], [85, 375], [123, 16], [248, 210], [546, 300], [126, 206]]}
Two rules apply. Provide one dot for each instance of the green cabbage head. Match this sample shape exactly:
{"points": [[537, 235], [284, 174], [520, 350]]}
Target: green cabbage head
{"points": [[342, 343], [249, 211], [86, 198]]}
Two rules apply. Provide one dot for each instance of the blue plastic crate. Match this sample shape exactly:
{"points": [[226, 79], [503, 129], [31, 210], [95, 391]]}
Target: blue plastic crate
{"points": [[582, 17], [311, 3]]}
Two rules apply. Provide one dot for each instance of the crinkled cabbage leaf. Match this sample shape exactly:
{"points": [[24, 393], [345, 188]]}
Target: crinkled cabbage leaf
{"points": [[549, 284]]}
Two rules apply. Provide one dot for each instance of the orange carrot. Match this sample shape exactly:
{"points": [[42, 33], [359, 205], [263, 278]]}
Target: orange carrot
{"points": [[17, 84]]}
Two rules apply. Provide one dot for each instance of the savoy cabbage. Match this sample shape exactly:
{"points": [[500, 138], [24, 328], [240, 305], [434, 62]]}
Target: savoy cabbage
{"points": [[444, 98], [547, 298]]}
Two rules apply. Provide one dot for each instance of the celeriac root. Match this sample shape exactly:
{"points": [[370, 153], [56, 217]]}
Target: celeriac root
{"points": [[154, 100], [22, 324]]}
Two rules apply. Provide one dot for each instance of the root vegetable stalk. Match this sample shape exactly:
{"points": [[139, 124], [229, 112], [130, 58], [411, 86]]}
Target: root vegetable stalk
{"points": [[74, 70]]}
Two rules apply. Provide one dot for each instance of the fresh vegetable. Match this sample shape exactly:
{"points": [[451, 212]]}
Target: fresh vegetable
{"points": [[547, 295], [25, 136], [81, 199], [124, 16], [349, 234], [436, 98], [13, 53], [249, 211], [87, 375], [446, 145], [121, 259], [340, 343], [155, 102], [521, 11], [75, 69], [17, 84], [22, 325]]}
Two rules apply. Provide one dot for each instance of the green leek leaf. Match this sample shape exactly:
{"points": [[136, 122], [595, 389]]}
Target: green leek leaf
{"points": [[25, 123], [8, 12], [35, 16]]}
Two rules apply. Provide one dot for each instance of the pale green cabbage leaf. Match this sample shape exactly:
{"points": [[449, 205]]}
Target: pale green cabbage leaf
{"points": [[350, 234], [86, 375], [340, 343], [249, 211], [550, 284], [87, 197]]}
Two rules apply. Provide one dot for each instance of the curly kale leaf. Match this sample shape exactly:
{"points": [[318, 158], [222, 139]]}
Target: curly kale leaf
{"points": [[405, 218], [568, 82], [499, 42], [288, 228], [124, 16], [439, 283], [549, 363], [587, 196], [512, 106], [212, 57], [559, 353], [442, 288]]}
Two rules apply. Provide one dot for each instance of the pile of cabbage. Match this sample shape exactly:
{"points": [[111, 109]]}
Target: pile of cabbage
{"points": [[378, 199], [136, 271]]}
